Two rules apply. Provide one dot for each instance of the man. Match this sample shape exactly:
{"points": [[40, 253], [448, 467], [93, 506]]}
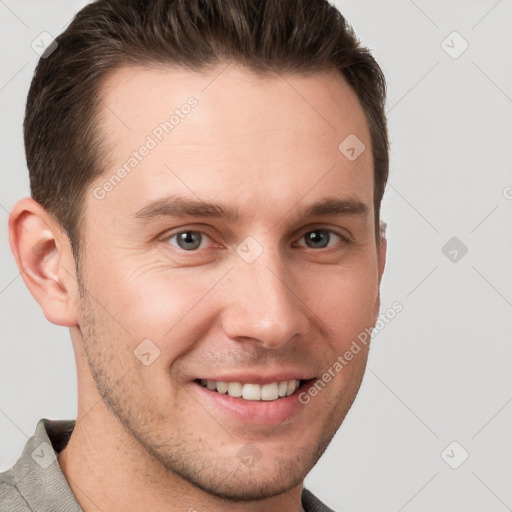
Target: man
{"points": [[206, 182]]}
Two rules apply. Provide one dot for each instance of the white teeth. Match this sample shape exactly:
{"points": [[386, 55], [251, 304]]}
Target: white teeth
{"points": [[235, 389], [222, 387], [269, 391], [291, 387], [253, 392]]}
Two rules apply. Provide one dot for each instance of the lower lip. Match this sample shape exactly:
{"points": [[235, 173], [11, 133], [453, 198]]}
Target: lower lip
{"points": [[261, 412]]}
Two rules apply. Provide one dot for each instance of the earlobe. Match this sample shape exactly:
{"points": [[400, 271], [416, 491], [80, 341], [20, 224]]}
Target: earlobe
{"points": [[44, 258]]}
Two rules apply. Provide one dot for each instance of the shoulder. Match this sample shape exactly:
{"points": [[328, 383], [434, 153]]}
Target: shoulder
{"points": [[36, 482], [11, 498]]}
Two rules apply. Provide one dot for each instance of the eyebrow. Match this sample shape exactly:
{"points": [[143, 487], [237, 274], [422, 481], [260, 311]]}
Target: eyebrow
{"points": [[177, 206], [334, 206]]}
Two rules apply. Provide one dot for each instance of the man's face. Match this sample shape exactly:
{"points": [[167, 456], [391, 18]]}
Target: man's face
{"points": [[273, 292]]}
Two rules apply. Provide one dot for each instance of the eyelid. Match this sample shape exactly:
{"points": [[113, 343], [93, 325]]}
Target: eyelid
{"points": [[342, 238], [185, 229], [338, 230], [204, 229]]}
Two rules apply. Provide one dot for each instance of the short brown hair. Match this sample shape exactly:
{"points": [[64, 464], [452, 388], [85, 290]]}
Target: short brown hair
{"points": [[62, 142]]}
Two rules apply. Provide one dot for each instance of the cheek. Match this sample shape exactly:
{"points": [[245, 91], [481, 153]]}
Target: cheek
{"points": [[345, 299], [164, 305]]}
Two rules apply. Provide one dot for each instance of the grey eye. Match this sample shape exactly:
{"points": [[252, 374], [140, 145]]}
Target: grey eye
{"points": [[188, 240], [319, 238]]}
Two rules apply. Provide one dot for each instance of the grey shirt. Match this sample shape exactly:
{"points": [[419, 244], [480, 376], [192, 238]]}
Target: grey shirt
{"points": [[36, 483]]}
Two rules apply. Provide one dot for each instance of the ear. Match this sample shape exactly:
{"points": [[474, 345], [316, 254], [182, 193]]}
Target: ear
{"points": [[382, 247], [44, 257]]}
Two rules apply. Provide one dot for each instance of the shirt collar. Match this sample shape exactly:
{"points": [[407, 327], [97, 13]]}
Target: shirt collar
{"points": [[37, 473]]}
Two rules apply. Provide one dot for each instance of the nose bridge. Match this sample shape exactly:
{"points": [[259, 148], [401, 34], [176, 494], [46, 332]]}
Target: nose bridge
{"points": [[261, 303]]}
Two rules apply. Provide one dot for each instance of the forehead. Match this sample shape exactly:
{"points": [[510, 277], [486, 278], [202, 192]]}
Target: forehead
{"points": [[228, 133]]}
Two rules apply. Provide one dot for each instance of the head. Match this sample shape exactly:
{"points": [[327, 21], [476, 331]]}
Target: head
{"points": [[195, 215]]}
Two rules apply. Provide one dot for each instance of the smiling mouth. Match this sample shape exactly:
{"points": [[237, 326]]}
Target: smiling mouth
{"points": [[253, 392]]}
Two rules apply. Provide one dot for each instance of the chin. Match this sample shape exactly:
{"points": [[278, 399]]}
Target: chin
{"points": [[244, 484]]}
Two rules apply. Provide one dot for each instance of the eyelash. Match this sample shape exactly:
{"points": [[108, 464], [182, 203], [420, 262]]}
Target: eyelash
{"points": [[342, 239]]}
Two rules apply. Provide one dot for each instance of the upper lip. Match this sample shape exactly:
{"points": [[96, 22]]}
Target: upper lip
{"points": [[259, 378]]}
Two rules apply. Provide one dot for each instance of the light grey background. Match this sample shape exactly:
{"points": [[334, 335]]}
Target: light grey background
{"points": [[441, 370]]}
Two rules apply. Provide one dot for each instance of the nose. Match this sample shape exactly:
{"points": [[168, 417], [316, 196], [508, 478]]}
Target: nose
{"points": [[263, 303]]}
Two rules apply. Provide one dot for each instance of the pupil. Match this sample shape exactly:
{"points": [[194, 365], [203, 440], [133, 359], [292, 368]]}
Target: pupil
{"points": [[189, 240], [317, 239]]}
